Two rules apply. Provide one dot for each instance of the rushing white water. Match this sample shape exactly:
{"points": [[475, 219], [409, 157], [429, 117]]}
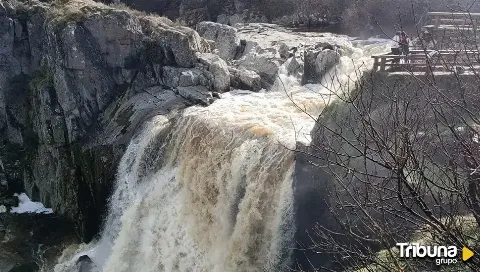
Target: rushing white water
{"points": [[216, 193]]}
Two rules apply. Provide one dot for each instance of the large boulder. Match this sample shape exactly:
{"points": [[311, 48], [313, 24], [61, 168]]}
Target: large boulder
{"points": [[216, 70], [295, 67], [325, 61], [317, 63], [245, 79], [225, 37]]}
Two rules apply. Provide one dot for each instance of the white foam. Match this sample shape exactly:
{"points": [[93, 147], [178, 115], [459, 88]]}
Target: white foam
{"points": [[27, 206]]}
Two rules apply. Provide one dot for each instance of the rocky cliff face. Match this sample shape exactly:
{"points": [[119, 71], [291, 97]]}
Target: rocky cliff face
{"points": [[76, 79]]}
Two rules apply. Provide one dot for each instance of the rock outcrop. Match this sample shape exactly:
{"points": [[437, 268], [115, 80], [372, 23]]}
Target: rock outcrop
{"points": [[225, 38], [269, 47], [76, 79], [317, 63], [216, 71], [245, 79]]}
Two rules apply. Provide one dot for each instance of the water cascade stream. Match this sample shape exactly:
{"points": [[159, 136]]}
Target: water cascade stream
{"points": [[211, 188]]}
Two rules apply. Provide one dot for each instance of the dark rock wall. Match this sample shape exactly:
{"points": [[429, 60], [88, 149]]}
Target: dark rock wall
{"points": [[62, 69], [29, 242]]}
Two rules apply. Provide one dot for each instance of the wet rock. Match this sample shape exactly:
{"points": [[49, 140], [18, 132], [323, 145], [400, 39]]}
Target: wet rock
{"points": [[30, 267], [217, 71], [270, 46], [25, 239], [9, 201], [85, 264], [225, 38], [318, 63], [324, 46], [183, 77], [310, 75], [196, 94], [261, 61], [295, 67], [250, 79], [284, 51], [325, 61], [245, 79]]}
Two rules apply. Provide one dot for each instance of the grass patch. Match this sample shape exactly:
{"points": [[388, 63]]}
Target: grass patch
{"points": [[64, 12], [122, 6]]}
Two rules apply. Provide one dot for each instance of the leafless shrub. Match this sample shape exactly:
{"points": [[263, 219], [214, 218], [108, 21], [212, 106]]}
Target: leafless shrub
{"points": [[400, 160]]}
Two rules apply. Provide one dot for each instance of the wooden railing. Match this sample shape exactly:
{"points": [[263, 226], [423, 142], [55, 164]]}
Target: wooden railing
{"points": [[418, 60], [464, 20]]}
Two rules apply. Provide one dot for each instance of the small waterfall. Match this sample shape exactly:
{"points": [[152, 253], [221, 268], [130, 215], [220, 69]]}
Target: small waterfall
{"points": [[211, 189]]}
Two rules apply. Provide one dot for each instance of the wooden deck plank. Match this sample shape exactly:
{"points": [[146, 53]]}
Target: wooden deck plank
{"points": [[455, 14]]}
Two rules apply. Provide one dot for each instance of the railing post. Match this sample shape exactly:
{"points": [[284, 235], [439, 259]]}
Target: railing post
{"points": [[375, 63], [384, 61], [436, 18]]}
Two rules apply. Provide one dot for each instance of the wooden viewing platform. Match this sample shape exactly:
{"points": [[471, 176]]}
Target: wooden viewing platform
{"points": [[453, 20], [419, 60], [464, 56]]}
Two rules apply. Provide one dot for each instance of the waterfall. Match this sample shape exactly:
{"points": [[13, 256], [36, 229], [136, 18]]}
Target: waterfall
{"points": [[219, 203], [211, 188]]}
